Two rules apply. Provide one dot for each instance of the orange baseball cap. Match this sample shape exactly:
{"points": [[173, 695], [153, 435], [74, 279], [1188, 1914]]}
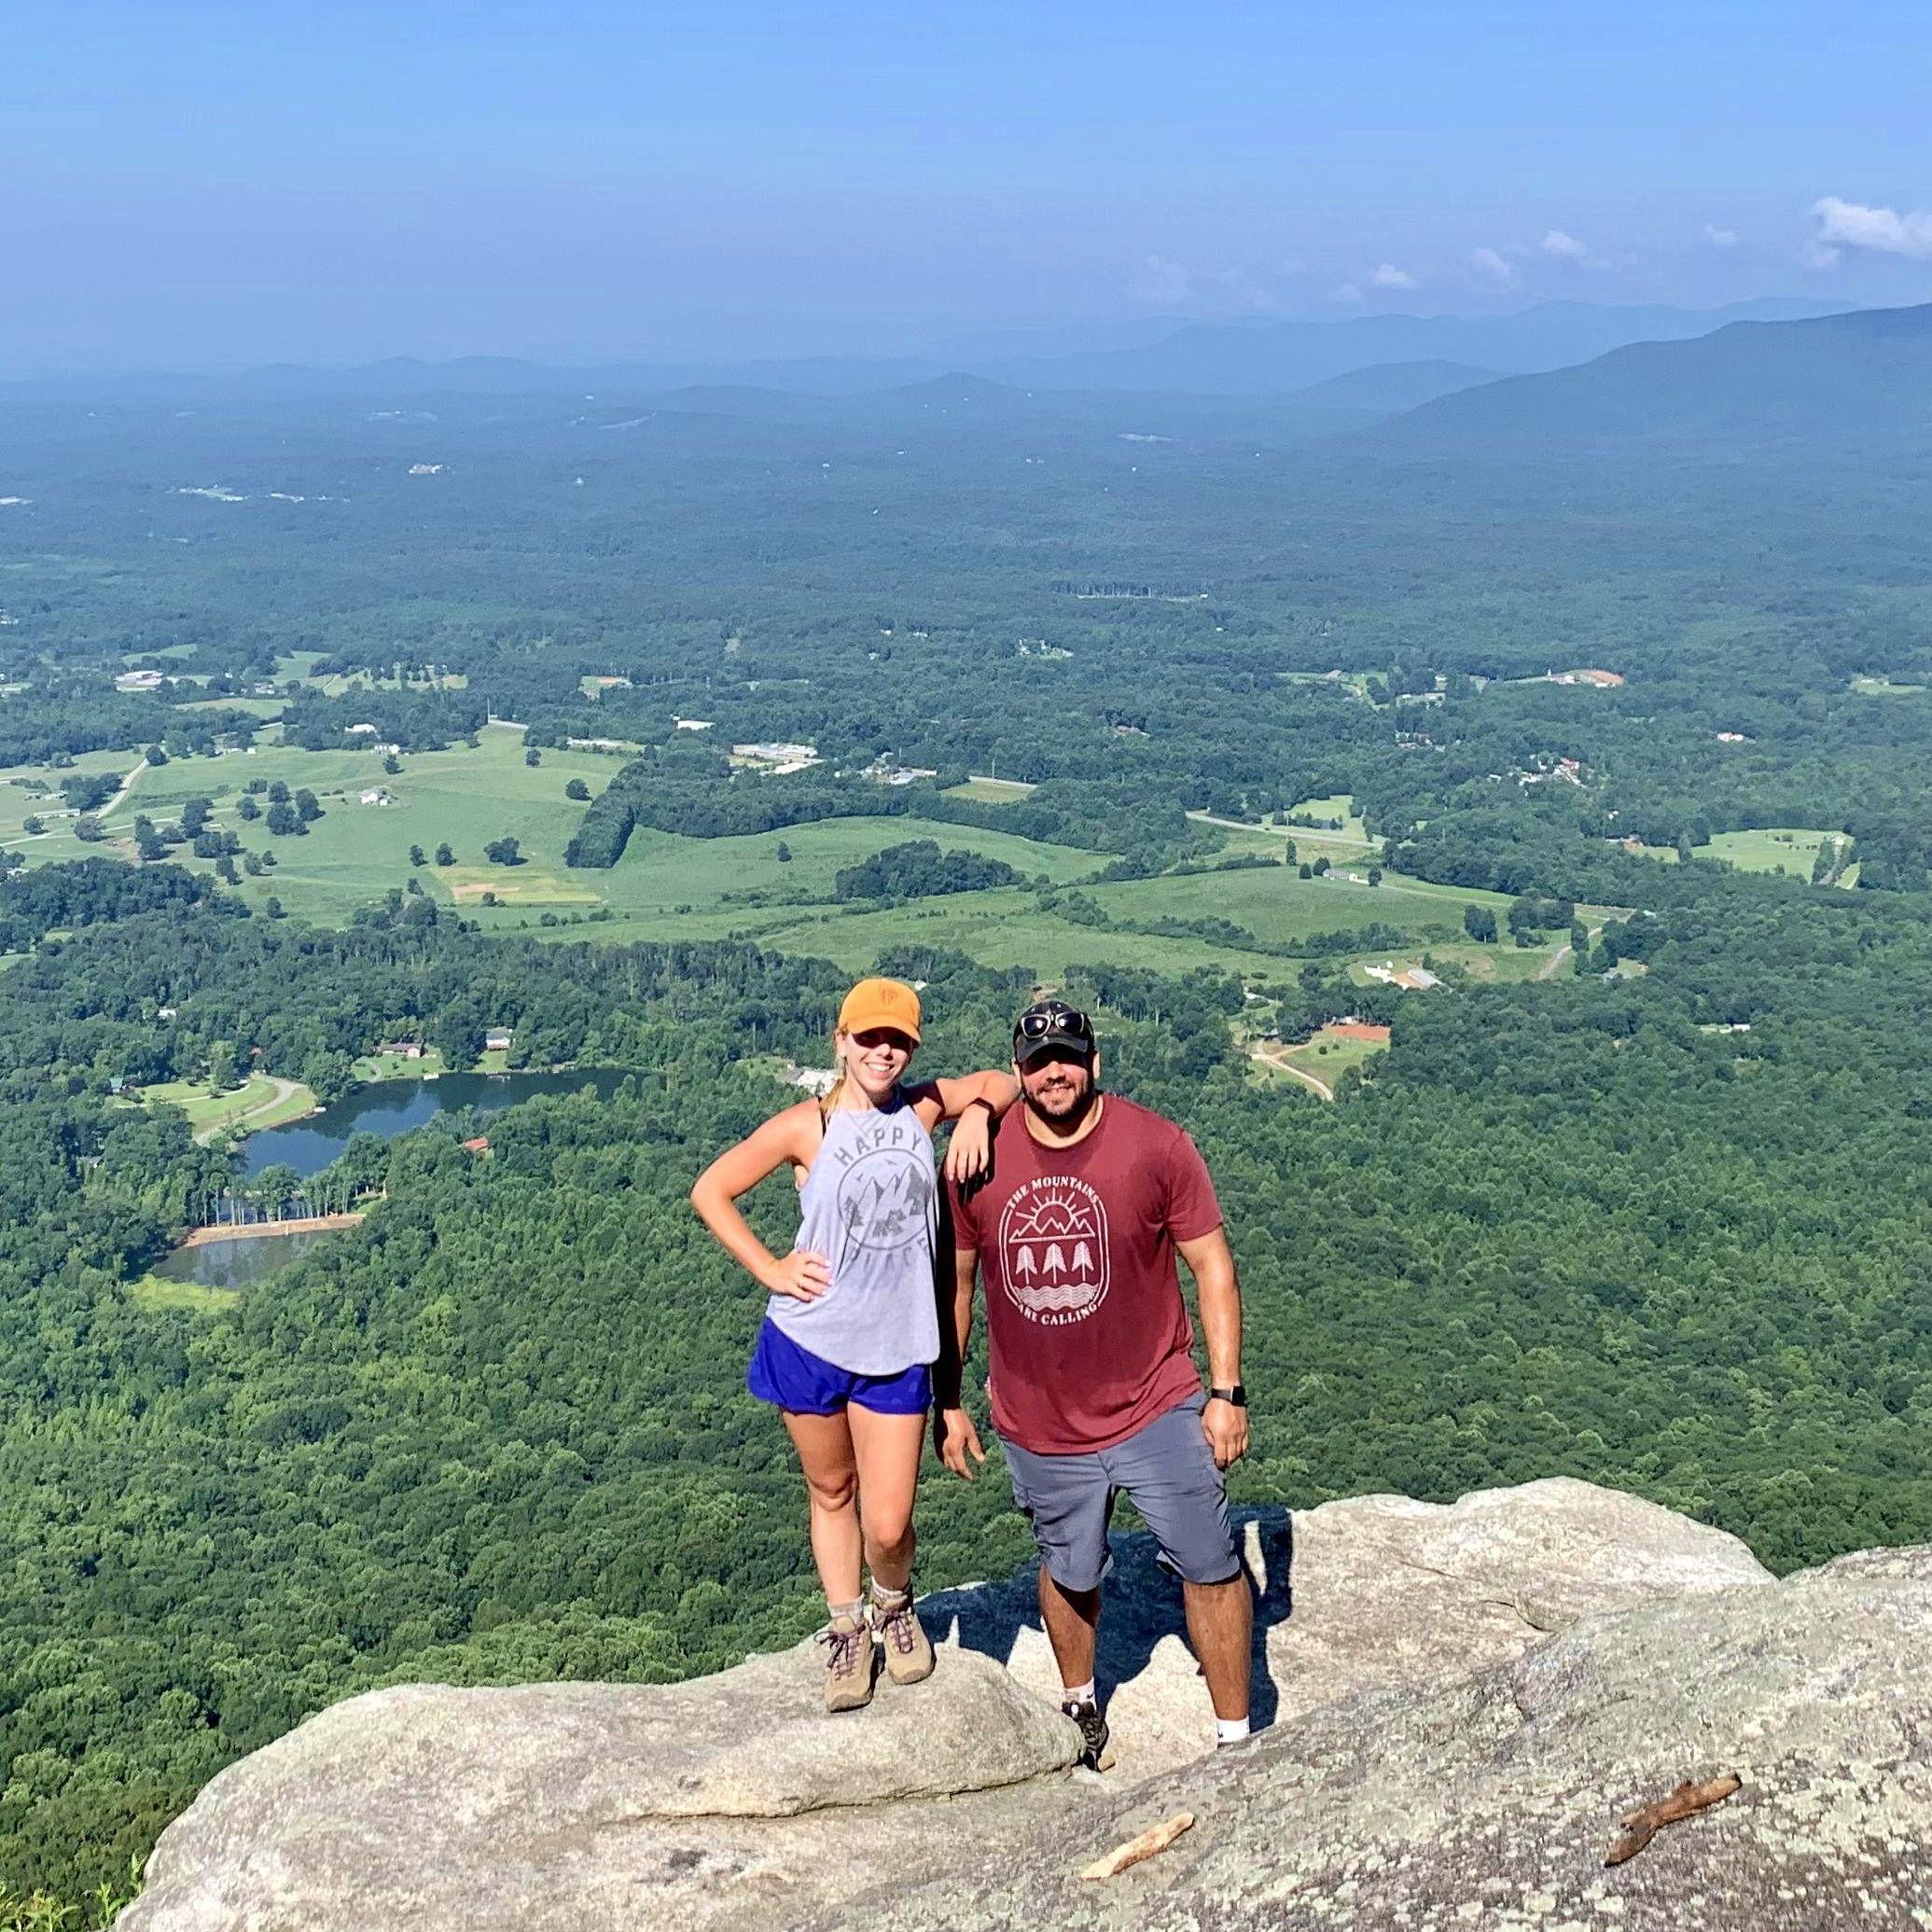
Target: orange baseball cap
{"points": [[881, 1003]]}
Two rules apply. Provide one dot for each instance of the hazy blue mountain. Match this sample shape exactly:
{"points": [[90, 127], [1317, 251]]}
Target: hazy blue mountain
{"points": [[1863, 374], [1390, 386], [961, 405], [1269, 357]]}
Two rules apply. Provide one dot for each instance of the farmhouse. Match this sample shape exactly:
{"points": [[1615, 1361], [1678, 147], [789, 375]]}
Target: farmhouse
{"points": [[376, 795], [1409, 979], [497, 1041], [138, 681]]}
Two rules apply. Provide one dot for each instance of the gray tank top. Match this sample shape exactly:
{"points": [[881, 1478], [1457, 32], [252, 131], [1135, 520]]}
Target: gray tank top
{"points": [[869, 1205]]}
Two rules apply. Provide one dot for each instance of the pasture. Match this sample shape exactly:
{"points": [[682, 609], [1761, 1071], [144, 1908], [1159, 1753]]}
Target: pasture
{"points": [[1789, 849], [671, 887]]}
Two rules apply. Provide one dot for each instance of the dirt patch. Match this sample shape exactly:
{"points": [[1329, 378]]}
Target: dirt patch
{"points": [[1359, 1030], [312, 1224], [520, 888]]}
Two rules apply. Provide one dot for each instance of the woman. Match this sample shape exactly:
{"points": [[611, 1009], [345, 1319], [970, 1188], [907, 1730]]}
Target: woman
{"points": [[852, 1327]]}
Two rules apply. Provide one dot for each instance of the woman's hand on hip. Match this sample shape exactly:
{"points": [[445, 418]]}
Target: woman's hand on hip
{"points": [[801, 1274]]}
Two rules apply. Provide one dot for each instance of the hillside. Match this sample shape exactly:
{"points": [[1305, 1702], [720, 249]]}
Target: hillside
{"points": [[1465, 1703], [1263, 357], [1394, 385], [1833, 378]]}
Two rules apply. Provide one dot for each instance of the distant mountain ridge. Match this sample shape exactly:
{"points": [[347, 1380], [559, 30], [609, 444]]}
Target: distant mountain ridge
{"points": [[1861, 374], [1267, 358], [1203, 358]]}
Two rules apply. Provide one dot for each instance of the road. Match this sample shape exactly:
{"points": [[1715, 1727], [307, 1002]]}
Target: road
{"points": [[1321, 1087], [1553, 964], [1288, 831], [238, 1123]]}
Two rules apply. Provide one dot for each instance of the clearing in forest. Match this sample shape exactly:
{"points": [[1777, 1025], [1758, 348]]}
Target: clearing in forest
{"points": [[515, 885]]}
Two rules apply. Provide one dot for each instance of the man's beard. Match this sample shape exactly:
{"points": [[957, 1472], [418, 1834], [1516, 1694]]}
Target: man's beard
{"points": [[1060, 1111]]}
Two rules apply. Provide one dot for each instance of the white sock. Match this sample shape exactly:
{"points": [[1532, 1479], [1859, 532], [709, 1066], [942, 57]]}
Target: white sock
{"points": [[1078, 1693], [889, 1599], [853, 1612], [1230, 1730]]}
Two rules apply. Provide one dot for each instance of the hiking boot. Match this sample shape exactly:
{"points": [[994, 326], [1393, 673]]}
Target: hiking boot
{"points": [[848, 1671], [1093, 1731], [909, 1651]]}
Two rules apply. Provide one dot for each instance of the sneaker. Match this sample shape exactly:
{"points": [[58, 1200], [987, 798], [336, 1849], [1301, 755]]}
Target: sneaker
{"points": [[1093, 1732], [849, 1668], [909, 1651]]}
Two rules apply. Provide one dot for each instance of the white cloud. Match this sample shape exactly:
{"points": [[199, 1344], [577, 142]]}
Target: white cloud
{"points": [[1816, 255], [1565, 247], [1389, 276], [1159, 283], [1488, 264], [1348, 292], [1720, 237], [1883, 230]]}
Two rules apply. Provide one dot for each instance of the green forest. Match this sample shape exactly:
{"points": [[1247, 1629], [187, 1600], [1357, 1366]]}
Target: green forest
{"points": [[1635, 1194]]}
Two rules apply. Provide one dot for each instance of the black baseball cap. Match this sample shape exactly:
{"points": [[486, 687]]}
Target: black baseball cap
{"points": [[1048, 1024]]}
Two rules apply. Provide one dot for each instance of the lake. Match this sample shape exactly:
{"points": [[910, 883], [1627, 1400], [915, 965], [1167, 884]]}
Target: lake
{"points": [[234, 1264], [391, 1108]]}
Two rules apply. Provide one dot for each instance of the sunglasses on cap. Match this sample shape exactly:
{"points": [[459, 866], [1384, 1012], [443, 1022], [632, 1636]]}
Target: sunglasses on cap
{"points": [[1057, 1025]]}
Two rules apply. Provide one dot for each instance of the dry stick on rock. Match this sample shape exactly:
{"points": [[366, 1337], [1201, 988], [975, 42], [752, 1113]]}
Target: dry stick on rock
{"points": [[1641, 1824], [1156, 1837]]}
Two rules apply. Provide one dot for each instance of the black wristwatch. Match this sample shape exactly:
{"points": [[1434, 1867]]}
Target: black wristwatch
{"points": [[1237, 1396]]}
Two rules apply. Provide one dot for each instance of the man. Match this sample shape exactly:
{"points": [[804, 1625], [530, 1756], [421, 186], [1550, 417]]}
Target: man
{"points": [[1094, 1385]]}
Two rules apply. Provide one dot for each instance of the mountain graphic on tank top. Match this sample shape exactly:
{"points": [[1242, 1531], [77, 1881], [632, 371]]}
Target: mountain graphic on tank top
{"points": [[886, 1200]]}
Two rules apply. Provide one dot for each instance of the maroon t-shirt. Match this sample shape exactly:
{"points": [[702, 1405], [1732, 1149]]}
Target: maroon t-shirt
{"points": [[1091, 1340]]}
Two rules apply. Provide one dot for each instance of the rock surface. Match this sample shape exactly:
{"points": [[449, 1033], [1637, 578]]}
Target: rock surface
{"points": [[1371, 1591], [1488, 1804], [584, 1806], [1464, 1702]]}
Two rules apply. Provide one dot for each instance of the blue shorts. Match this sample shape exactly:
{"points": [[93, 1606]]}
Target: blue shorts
{"points": [[795, 1379]]}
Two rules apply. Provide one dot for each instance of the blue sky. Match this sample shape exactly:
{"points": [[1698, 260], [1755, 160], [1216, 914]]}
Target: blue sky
{"points": [[207, 184]]}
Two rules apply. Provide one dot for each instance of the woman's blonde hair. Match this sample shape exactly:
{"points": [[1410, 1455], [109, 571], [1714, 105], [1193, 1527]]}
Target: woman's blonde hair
{"points": [[829, 1098]]}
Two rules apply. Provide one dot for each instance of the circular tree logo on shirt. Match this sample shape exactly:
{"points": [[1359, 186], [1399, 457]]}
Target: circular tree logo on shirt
{"points": [[1053, 1249]]}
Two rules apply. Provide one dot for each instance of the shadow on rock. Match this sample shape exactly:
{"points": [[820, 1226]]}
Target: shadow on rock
{"points": [[1143, 1627]]}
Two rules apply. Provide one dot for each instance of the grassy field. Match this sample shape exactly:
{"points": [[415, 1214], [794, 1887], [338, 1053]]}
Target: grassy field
{"points": [[1338, 848], [1281, 909], [1004, 928], [672, 887], [1884, 687], [990, 791], [154, 1292], [1502, 965], [254, 1099], [18, 803], [1329, 1056], [1789, 849], [396, 1066], [1339, 805]]}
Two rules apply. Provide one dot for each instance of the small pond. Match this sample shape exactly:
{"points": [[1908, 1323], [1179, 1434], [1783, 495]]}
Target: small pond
{"points": [[390, 1108], [234, 1264]]}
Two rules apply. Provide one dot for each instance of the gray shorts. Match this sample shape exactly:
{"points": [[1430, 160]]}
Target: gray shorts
{"points": [[1168, 1471]]}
